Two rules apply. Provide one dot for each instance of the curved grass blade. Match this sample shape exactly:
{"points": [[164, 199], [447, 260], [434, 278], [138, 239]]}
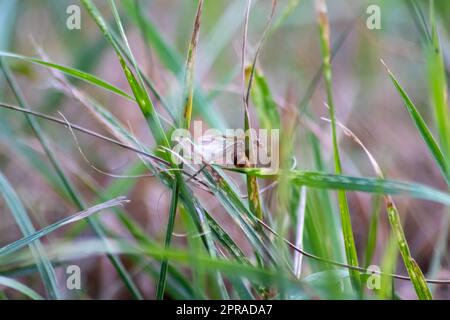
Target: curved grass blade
{"points": [[23, 221], [240, 213], [32, 237], [87, 77], [16, 285], [168, 55], [173, 61], [70, 251], [147, 108], [177, 285], [141, 95], [68, 186]]}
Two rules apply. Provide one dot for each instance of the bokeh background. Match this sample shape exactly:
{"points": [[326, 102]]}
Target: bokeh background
{"points": [[366, 102]]}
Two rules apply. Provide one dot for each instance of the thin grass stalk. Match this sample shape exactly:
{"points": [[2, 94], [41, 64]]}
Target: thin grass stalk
{"points": [[149, 112], [298, 258], [252, 182], [170, 225], [415, 273], [71, 190], [312, 179], [43, 263], [373, 230], [347, 230], [175, 189], [345, 265]]}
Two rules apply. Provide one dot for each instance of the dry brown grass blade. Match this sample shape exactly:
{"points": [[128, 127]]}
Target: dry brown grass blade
{"points": [[190, 69]]}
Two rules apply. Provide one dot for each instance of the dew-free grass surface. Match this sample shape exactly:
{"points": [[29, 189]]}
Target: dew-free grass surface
{"points": [[87, 117]]}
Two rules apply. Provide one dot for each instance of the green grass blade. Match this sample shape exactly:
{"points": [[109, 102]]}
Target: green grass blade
{"points": [[438, 88], [68, 186], [169, 232], [424, 131], [373, 230], [416, 275], [330, 181], [240, 214], [87, 77], [146, 106], [264, 103], [437, 80], [347, 230], [156, 128], [23, 221], [324, 218], [33, 237], [418, 280], [141, 95], [173, 61], [168, 55], [16, 285]]}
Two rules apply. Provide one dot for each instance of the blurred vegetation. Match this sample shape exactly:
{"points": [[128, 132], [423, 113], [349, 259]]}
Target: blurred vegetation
{"points": [[364, 156]]}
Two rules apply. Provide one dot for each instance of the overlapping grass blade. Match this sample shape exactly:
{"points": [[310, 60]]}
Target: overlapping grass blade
{"points": [[154, 123], [240, 214], [33, 237], [322, 218], [265, 106], [347, 230], [413, 269], [169, 57], [330, 181], [169, 232], [87, 77], [23, 221], [16, 285], [68, 186], [173, 61]]}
